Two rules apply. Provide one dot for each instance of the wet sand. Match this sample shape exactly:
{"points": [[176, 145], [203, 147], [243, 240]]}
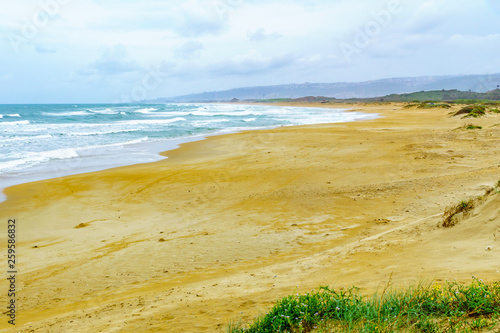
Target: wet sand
{"points": [[225, 226]]}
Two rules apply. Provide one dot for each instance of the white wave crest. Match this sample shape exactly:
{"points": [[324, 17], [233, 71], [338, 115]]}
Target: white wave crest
{"points": [[153, 122], [223, 113], [101, 132], [118, 144], [27, 138], [146, 111], [65, 114], [104, 111], [209, 122], [33, 158], [14, 123]]}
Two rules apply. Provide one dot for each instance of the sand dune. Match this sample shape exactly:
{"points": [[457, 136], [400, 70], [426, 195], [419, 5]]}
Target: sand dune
{"points": [[225, 226]]}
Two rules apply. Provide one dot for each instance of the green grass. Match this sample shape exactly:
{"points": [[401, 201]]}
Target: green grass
{"points": [[474, 111], [450, 307], [450, 96], [473, 127], [428, 105], [276, 100], [476, 101]]}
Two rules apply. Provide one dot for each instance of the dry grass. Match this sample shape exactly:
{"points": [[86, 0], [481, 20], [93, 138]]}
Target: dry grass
{"points": [[452, 213], [450, 216]]}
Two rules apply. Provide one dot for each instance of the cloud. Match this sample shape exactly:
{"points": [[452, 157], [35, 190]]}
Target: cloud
{"points": [[105, 48], [475, 40], [44, 49], [252, 63], [199, 19], [260, 35], [113, 62], [190, 49]]}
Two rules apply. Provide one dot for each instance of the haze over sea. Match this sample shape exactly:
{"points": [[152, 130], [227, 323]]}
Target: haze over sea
{"points": [[46, 141]]}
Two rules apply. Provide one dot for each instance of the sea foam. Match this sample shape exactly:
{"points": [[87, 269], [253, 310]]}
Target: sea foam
{"points": [[14, 123], [79, 138]]}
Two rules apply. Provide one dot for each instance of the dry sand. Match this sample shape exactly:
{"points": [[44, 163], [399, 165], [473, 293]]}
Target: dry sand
{"points": [[224, 227]]}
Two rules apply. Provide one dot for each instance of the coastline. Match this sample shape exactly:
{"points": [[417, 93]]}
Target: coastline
{"points": [[225, 226], [63, 168], [108, 156]]}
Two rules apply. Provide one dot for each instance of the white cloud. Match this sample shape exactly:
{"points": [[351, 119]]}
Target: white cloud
{"points": [[253, 64], [114, 61], [199, 18], [190, 49], [217, 44], [44, 49], [261, 34]]}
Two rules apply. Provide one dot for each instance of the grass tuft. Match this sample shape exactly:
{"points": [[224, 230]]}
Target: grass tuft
{"points": [[427, 105], [423, 308], [450, 214], [473, 127], [465, 207], [474, 111], [450, 307]]}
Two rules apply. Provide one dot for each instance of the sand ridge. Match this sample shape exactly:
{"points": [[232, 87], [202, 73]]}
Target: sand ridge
{"points": [[225, 226]]}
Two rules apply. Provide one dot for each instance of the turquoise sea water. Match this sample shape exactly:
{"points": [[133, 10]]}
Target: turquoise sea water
{"points": [[46, 141]]}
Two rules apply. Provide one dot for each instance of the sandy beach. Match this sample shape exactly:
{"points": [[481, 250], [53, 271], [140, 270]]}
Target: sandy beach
{"points": [[224, 227]]}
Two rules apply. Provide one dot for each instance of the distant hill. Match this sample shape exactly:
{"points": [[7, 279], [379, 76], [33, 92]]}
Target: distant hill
{"points": [[348, 90], [421, 96], [446, 96]]}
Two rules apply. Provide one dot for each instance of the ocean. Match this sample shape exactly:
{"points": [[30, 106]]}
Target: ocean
{"points": [[47, 141]]}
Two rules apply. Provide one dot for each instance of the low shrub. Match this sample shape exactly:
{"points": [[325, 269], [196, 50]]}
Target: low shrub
{"points": [[425, 105], [474, 111], [425, 308]]}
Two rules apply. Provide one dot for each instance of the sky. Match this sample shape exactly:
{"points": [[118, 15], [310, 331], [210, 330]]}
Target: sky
{"points": [[106, 51]]}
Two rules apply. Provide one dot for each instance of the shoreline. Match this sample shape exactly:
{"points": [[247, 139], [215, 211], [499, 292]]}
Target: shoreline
{"points": [[71, 167], [223, 227], [90, 164]]}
